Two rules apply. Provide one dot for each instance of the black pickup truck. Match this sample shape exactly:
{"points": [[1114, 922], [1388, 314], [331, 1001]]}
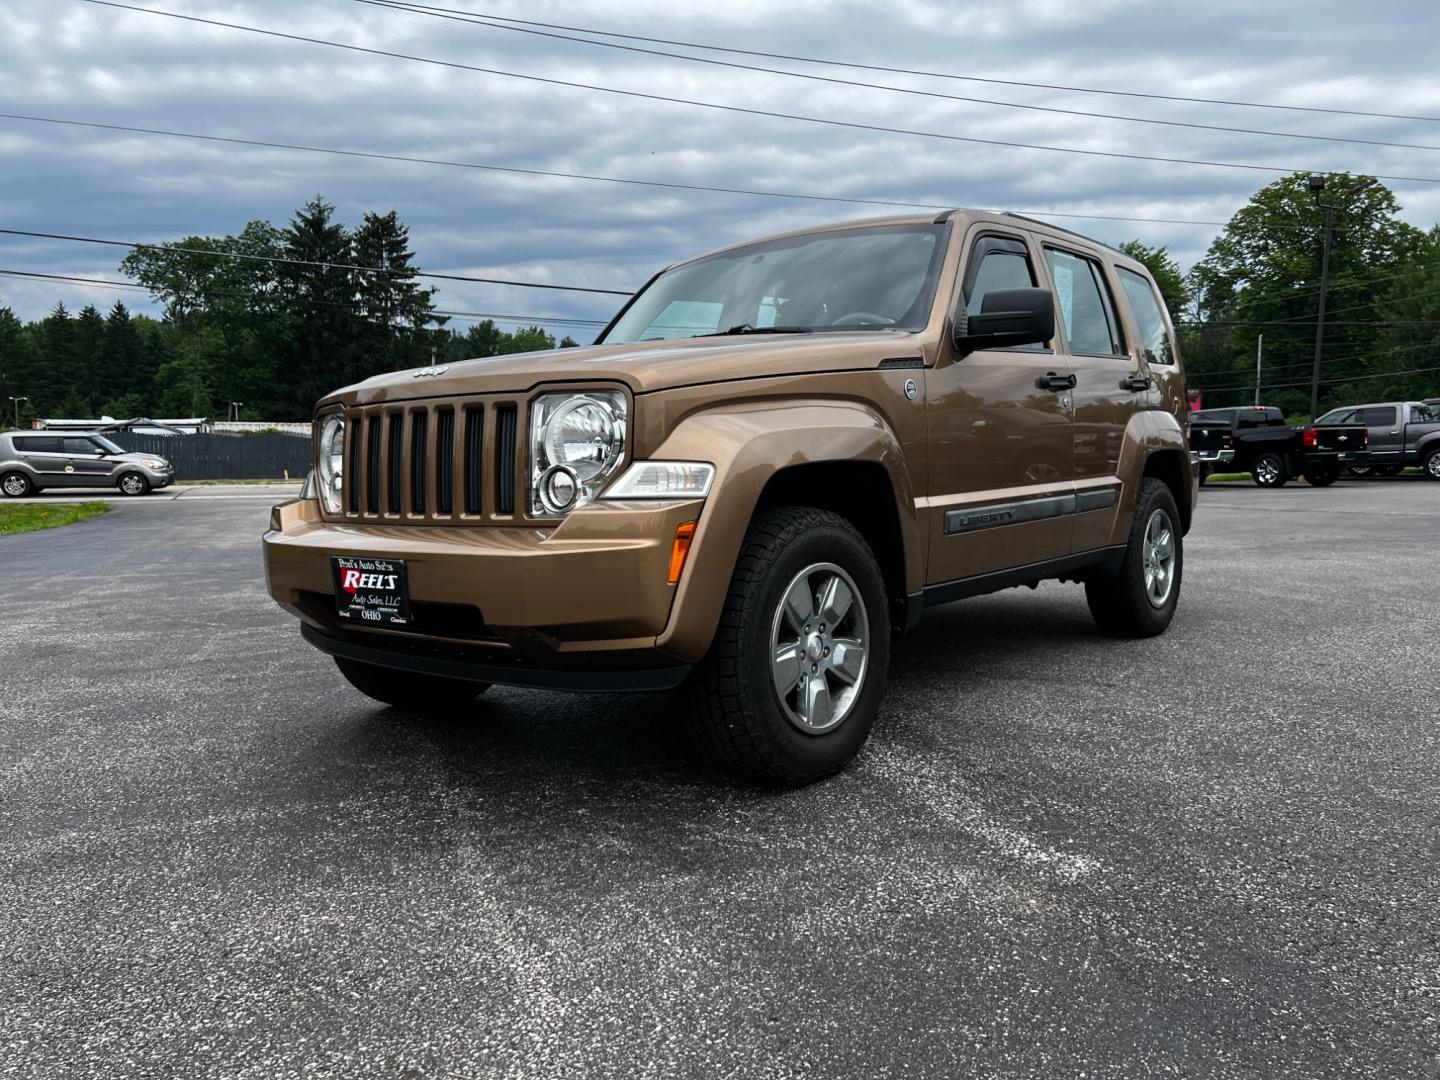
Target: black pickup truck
{"points": [[1256, 439]]}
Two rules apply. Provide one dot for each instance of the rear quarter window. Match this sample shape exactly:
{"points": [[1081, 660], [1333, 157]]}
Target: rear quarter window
{"points": [[1154, 334]]}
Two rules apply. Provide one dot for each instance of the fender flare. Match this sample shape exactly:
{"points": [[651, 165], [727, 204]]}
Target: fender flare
{"points": [[749, 443], [1150, 432]]}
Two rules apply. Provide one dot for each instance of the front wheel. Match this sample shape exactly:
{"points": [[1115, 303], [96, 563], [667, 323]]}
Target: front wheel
{"points": [[133, 484], [408, 690], [1269, 471], [1431, 464], [793, 681], [16, 485], [1139, 601]]}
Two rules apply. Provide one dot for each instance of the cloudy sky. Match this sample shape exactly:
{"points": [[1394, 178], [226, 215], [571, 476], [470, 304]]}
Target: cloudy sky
{"points": [[78, 61]]}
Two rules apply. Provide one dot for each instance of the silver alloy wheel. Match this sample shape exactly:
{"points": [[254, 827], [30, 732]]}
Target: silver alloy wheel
{"points": [[131, 484], [1266, 471], [1158, 559], [818, 646], [15, 485], [1432, 465]]}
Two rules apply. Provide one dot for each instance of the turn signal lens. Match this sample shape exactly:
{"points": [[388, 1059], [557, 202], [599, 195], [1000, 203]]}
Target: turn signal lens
{"points": [[680, 550]]}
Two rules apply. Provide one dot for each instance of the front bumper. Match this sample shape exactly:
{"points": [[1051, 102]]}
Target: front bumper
{"points": [[588, 596]]}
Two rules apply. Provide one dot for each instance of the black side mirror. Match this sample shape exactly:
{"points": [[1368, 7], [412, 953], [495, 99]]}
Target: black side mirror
{"points": [[1008, 317]]}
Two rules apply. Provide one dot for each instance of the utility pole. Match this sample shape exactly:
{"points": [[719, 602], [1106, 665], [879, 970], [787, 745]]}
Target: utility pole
{"points": [[1259, 352], [1317, 187]]}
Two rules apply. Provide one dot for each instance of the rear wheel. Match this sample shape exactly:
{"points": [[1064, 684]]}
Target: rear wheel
{"points": [[408, 690], [133, 483], [16, 485], [1270, 471], [1322, 475], [1139, 600], [1431, 464], [793, 681]]}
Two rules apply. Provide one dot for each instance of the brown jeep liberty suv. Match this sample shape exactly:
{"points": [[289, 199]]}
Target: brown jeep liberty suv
{"points": [[771, 462]]}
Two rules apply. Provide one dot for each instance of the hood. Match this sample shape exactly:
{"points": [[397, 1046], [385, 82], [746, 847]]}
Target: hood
{"points": [[137, 457], [645, 366]]}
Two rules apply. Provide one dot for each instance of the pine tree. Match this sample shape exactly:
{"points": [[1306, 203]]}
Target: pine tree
{"points": [[319, 290], [393, 311], [121, 383], [89, 359]]}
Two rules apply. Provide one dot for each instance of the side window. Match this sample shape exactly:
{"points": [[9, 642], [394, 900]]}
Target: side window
{"points": [[1085, 305], [1154, 337], [1382, 417], [81, 446], [1339, 416], [998, 262], [38, 444]]}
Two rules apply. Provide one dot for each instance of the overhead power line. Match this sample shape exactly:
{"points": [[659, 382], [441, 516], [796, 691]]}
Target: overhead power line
{"points": [[858, 65], [476, 19], [377, 156], [305, 262], [1327, 381], [548, 320], [851, 125]]}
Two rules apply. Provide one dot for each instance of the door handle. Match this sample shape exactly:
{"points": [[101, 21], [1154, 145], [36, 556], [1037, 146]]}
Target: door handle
{"points": [[1051, 381], [1136, 383]]}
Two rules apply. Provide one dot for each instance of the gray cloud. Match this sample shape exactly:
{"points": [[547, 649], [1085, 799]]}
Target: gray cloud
{"points": [[78, 61]]}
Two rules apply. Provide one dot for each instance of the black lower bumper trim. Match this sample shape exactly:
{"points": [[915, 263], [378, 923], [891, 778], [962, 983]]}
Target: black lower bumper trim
{"points": [[502, 674]]}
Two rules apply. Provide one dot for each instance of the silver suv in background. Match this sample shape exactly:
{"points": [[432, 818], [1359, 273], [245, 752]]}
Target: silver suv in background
{"points": [[32, 461]]}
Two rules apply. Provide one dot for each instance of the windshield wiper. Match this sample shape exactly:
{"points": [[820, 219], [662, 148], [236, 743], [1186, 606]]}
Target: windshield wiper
{"points": [[747, 328]]}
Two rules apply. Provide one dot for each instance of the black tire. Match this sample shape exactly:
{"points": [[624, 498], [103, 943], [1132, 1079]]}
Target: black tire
{"points": [[17, 485], [1362, 471], [1431, 464], [737, 717], [1121, 604], [1204, 474], [1322, 476], [1269, 471], [407, 690], [132, 483]]}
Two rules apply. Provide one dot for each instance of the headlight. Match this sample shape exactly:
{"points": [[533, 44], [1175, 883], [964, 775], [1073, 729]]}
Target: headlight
{"points": [[330, 463], [577, 440], [664, 480], [152, 463]]}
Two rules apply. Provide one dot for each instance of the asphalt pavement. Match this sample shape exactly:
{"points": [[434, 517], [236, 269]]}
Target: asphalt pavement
{"points": [[1211, 854]]}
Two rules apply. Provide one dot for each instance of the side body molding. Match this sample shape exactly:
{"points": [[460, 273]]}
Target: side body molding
{"points": [[749, 443]]}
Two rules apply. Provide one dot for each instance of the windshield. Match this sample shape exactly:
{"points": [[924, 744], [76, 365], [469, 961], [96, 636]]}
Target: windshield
{"points": [[857, 279], [109, 446]]}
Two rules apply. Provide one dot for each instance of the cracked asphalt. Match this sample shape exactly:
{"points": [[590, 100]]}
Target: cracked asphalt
{"points": [[1212, 854]]}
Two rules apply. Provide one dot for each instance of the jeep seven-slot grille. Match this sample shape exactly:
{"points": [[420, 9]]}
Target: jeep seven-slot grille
{"points": [[444, 462]]}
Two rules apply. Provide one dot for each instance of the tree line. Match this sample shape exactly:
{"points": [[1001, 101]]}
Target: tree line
{"points": [[284, 316]]}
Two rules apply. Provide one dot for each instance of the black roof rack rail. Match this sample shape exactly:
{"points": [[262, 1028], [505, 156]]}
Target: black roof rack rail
{"points": [[1061, 228], [944, 216]]}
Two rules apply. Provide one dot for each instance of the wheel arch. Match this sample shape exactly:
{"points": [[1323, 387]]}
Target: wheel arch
{"points": [[1154, 446], [837, 455]]}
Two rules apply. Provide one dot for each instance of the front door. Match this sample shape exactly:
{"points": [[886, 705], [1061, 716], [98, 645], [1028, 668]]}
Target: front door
{"points": [[86, 464], [1001, 439]]}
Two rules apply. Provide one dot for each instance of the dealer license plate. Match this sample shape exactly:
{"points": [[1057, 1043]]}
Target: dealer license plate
{"points": [[372, 591]]}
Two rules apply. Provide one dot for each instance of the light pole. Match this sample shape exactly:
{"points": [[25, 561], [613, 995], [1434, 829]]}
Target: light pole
{"points": [[17, 401], [1317, 187], [235, 407]]}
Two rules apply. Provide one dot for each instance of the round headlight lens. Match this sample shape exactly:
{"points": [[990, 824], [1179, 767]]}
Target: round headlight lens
{"points": [[585, 434], [331, 461]]}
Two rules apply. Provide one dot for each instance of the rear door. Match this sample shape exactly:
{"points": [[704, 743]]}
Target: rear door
{"points": [[1387, 437], [1104, 399], [45, 454]]}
